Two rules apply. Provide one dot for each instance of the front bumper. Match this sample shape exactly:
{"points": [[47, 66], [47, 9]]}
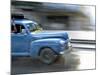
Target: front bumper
{"points": [[69, 49]]}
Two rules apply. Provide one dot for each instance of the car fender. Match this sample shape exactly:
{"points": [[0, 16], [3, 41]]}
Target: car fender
{"points": [[37, 45]]}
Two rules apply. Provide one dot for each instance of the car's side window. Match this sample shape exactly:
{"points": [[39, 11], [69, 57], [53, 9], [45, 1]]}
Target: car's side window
{"points": [[13, 29], [17, 28]]}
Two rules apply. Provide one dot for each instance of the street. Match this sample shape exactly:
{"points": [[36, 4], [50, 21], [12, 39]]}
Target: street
{"points": [[77, 59]]}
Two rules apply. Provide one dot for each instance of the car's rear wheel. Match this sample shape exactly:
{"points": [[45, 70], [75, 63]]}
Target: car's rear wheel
{"points": [[48, 56]]}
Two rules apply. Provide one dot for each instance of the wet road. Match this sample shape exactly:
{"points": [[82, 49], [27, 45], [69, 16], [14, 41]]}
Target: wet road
{"points": [[78, 59]]}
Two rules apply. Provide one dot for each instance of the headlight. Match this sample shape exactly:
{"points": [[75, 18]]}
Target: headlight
{"points": [[69, 44], [62, 42], [69, 41], [69, 38]]}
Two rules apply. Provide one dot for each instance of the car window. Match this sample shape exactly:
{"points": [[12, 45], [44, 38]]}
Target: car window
{"points": [[33, 27], [17, 28], [13, 29]]}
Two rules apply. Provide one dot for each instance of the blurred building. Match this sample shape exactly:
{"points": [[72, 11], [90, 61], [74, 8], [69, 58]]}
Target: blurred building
{"points": [[56, 16]]}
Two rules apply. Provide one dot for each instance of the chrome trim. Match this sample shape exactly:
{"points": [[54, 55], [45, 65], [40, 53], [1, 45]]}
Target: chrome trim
{"points": [[68, 50]]}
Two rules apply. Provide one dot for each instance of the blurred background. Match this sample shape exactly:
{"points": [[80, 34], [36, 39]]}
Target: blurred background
{"points": [[57, 16]]}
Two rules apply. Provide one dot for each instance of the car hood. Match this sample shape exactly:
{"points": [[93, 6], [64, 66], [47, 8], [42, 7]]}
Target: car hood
{"points": [[50, 34]]}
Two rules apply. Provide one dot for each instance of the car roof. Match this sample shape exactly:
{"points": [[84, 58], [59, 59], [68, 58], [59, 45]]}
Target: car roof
{"points": [[22, 21]]}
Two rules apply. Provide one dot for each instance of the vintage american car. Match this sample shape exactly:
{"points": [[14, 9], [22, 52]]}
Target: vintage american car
{"points": [[29, 39]]}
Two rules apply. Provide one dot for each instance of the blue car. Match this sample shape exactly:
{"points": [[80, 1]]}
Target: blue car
{"points": [[29, 39]]}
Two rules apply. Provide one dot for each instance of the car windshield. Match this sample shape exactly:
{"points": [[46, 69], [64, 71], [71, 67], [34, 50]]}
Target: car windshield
{"points": [[33, 27]]}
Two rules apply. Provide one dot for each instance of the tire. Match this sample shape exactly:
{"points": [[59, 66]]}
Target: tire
{"points": [[48, 56]]}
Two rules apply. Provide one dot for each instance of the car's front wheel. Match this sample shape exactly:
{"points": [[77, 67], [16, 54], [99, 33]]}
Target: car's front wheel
{"points": [[48, 56]]}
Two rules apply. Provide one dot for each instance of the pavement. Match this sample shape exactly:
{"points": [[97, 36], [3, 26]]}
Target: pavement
{"points": [[78, 59]]}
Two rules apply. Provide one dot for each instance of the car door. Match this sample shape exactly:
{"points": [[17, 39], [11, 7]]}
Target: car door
{"points": [[20, 42]]}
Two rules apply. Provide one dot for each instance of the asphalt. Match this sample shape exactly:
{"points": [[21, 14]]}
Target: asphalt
{"points": [[77, 59]]}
